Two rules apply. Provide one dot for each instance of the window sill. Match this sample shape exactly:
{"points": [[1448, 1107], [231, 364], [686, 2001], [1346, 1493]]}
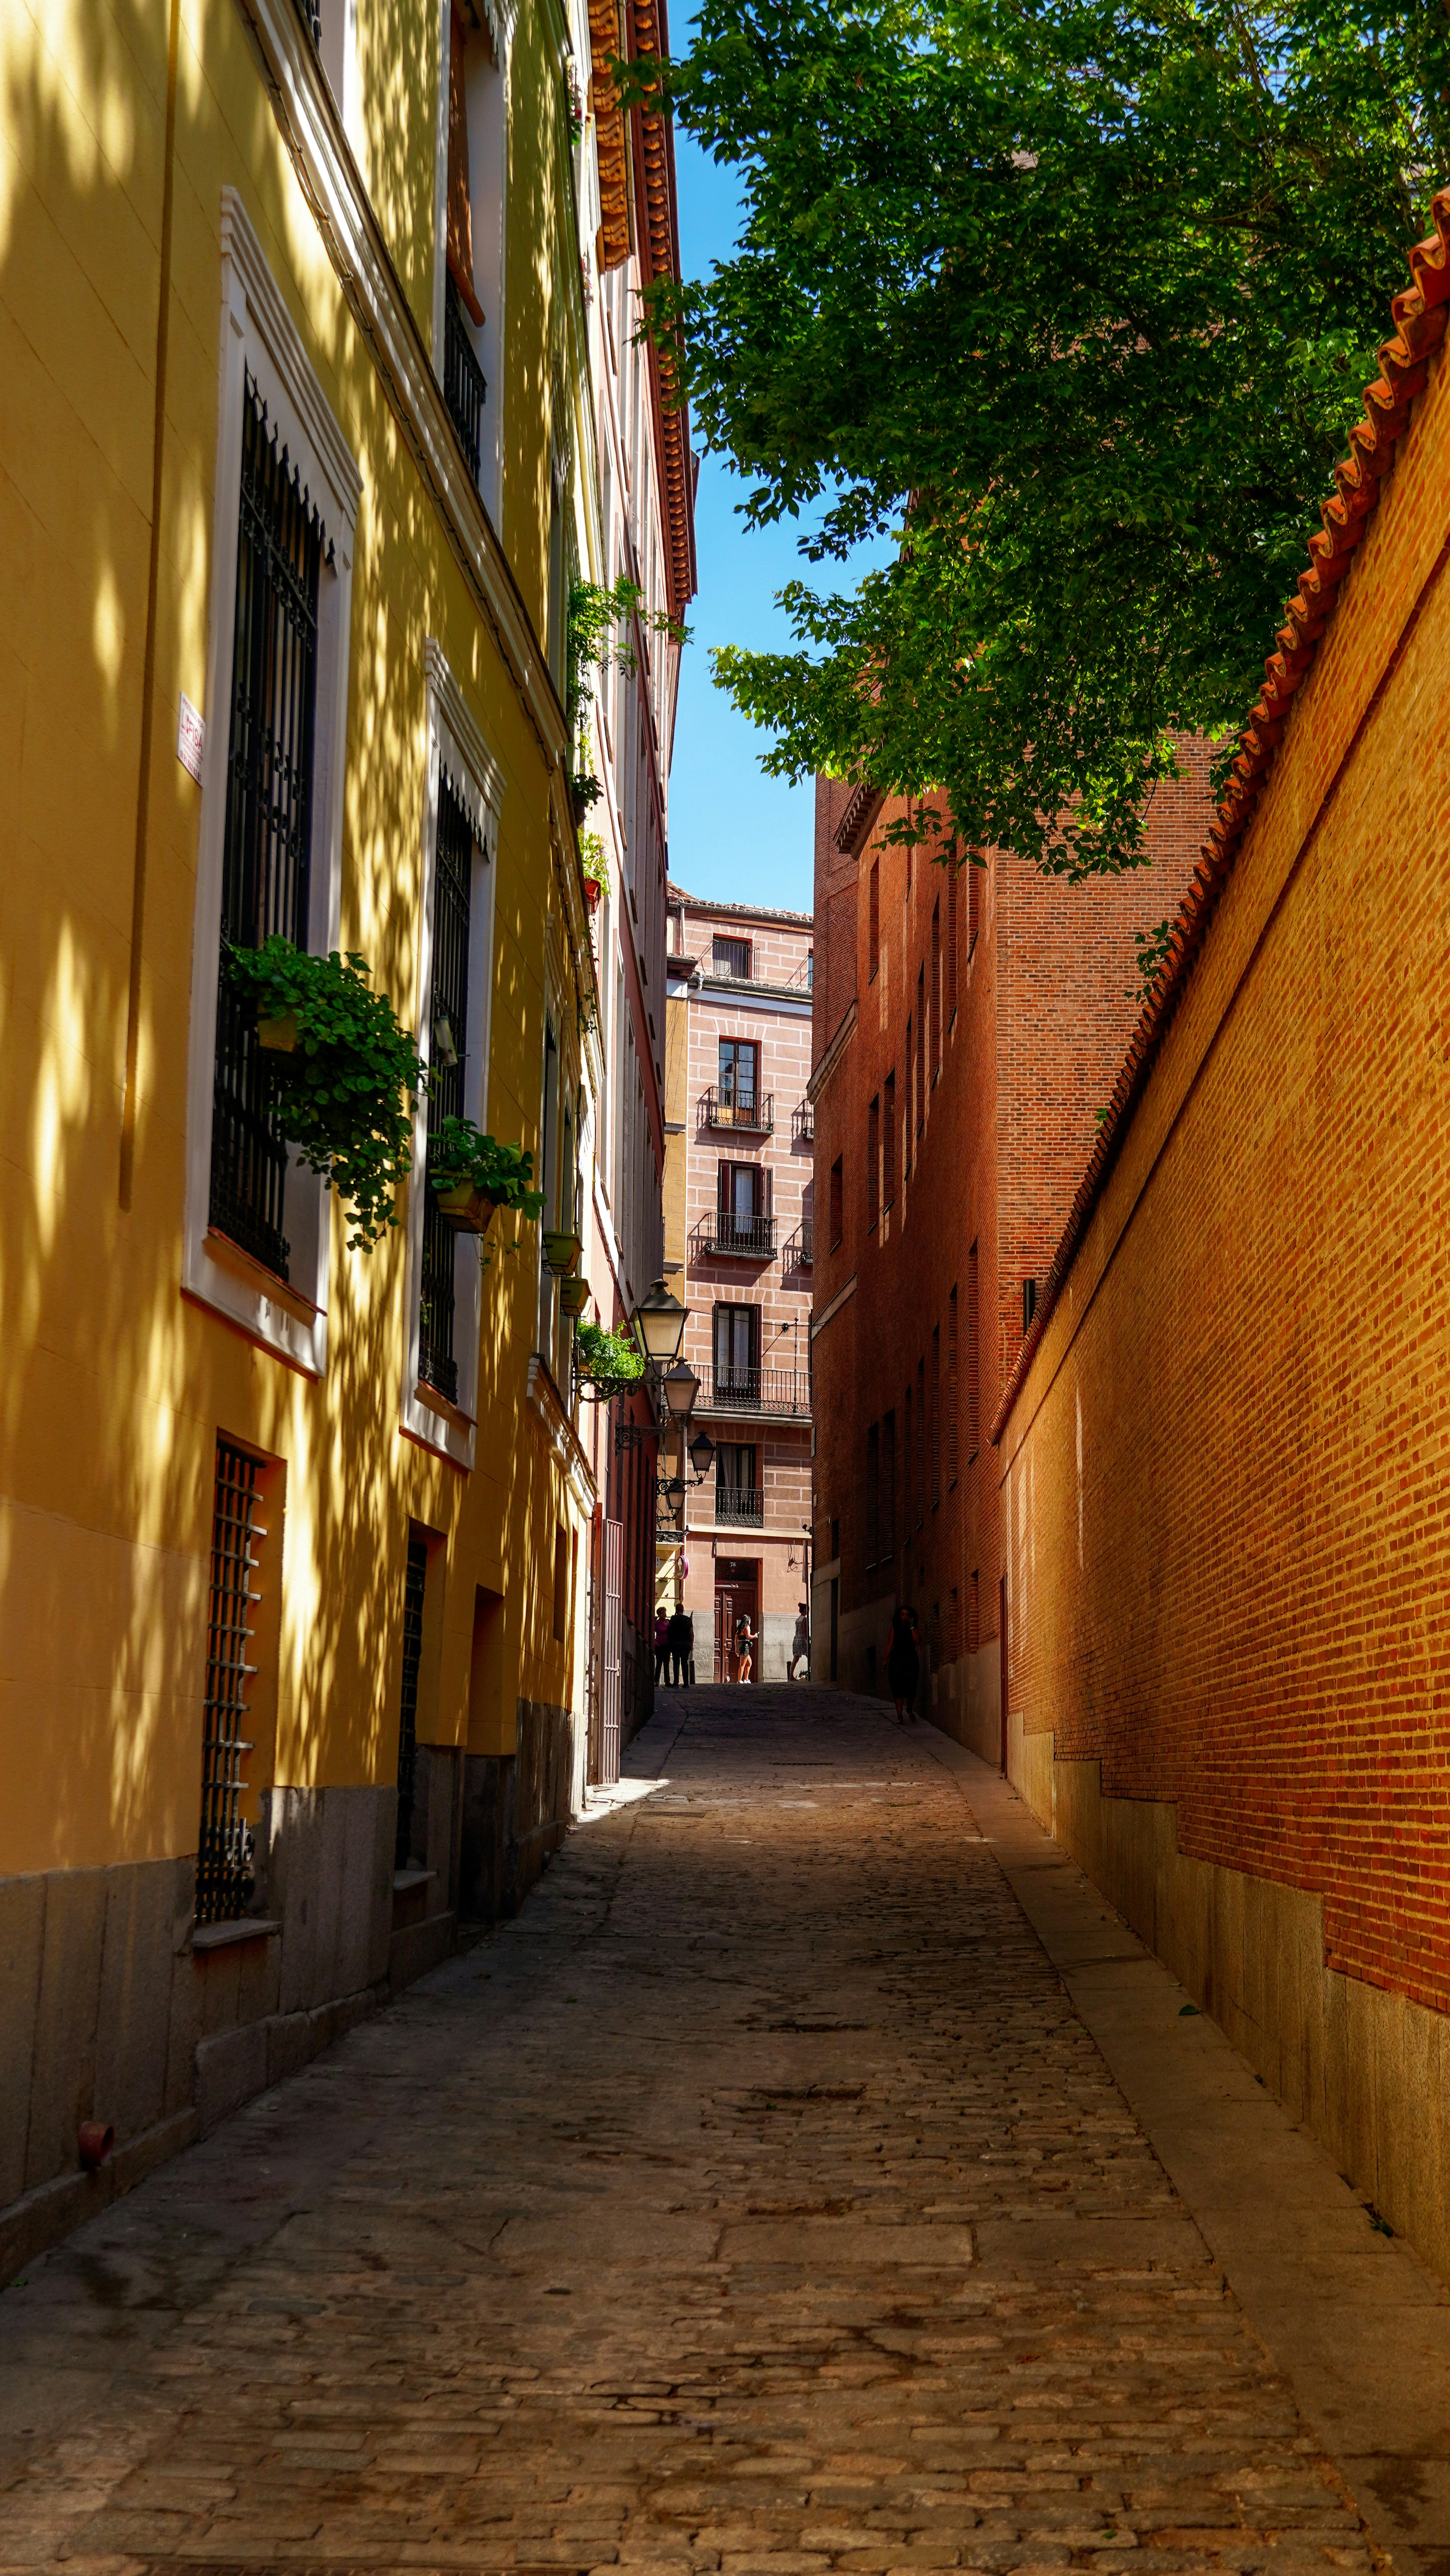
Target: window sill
{"points": [[221, 1936], [220, 1248], [434, 1401], [404, 1880]]}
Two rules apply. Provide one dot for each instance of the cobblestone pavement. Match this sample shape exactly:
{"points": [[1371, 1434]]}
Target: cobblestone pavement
{"points": [[755, 2202]]}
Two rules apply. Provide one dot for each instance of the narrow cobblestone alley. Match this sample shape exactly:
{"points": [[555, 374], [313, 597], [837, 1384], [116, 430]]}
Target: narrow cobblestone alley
{"points": [[758, 2200]]}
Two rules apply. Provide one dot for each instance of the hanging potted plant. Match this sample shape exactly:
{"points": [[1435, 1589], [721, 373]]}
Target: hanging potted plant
{"points": [[471, 1174], [344, 1073], [594, 869], [561, 1251], [574, 1296], [608, 1361]]}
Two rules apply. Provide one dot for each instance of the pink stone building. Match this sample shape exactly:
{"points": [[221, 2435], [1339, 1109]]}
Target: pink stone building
{"points": [[739, 1230]]}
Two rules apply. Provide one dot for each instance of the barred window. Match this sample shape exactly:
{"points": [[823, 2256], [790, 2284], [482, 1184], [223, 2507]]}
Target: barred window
{"points": [[224, 1846], [415, 1581], [935, 1415], [267, 845], [448, 1018]]}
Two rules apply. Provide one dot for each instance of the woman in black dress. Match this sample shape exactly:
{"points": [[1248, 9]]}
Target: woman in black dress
{"points": [[903, 1664]]}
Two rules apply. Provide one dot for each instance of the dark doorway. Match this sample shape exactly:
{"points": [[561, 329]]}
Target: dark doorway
{"points": [[737, 1597]]}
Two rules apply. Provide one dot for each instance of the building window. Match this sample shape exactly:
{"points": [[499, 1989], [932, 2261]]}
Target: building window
{"points": [[952, 1388], [974, 1615], [953, 871], [920, 1069], [448, 1027], [739, 1501], [975, 874], [910, 1088], [974, 1364], [1029, 1303], [267, 849], [908, 1463], [731, 959], [739, 1082], [920, 1442], [838, 1201], [873, 1161], [561, 1583], [415, 1580], [936, 988], [935, 1415], [888, 1488], [741, 1220], [873, 919], [224, 1845], [873, 1492], [888, 1144], [737, 1354]]}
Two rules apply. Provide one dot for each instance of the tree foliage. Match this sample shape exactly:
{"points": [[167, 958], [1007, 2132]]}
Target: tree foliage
{"points": [[1076, 299]]}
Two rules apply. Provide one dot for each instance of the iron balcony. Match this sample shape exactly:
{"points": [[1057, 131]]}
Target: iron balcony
{"points": [[740, 1506], [746, 1112], [752, 1238], [803, 1123], [797, 1252], [755, 1390]]}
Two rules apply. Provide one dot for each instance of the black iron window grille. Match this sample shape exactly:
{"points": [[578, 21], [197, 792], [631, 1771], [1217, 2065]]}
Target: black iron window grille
{"points": [[268, 817], [465, 389], [448, 1012], [224, 1849], [414, 1585]]}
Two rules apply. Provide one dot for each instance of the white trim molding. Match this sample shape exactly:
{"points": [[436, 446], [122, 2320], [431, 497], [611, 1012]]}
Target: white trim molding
{"points": [[258, 338], [455, 744], [832, 1056], [327, 171], [819, 1322]]}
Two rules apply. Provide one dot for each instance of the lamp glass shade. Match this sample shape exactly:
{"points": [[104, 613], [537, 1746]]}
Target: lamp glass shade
{"points": [[659, 1321], [681, 1386], [702, 1453]]}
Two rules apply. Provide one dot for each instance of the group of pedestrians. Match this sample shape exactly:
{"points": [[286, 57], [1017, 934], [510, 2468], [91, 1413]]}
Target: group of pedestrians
{"points": [[674, 1648]]}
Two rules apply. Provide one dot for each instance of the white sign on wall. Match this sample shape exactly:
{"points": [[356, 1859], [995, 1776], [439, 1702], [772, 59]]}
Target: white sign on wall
{"points": [[190, 737]]}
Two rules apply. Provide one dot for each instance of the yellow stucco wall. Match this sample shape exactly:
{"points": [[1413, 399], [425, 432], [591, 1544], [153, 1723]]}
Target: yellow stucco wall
{"points": [[115, 1385]]}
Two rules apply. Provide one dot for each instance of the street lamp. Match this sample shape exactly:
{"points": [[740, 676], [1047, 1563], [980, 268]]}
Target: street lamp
{"points": [[659, 1320], [681, 1386], [702, 1455]]}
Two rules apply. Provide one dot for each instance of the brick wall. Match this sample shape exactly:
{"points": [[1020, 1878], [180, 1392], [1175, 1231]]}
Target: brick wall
{"points": [[994, 1123], [1226, 1465]]}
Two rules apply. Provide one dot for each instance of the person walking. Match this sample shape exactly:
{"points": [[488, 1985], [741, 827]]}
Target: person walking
{"points": [[903, 1662], [744, 1641], [681, 1639], [800, 1644], [662, 1645]]}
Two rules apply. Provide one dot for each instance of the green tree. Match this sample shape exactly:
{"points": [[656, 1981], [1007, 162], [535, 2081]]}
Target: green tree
{"points": [[1079, 301]]}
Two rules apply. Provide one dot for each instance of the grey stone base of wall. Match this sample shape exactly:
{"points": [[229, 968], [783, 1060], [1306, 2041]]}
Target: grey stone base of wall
{"points": [[114, 2008], [516, 1811]]}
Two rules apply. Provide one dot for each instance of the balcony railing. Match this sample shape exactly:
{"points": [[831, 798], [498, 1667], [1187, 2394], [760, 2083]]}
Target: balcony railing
{"points": [[464, 388], [751, 1238], [747, 1112], [754, 1390], [797, 1254], [740, 1506], [803, 1123]]}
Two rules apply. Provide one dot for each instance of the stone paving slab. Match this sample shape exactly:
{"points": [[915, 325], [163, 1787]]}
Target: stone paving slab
{"points": [[757, 2203]]}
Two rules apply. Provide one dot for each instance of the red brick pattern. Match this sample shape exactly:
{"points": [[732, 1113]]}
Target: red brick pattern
{"points": [[1227, 1458], [994, 1123]]}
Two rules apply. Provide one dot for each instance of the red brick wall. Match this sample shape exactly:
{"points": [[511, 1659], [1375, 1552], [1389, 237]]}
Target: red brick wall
{"points": [[1227, 1463], [989, 1155]]}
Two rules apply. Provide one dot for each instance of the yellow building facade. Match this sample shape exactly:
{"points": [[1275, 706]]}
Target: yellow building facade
{"points": [[285, 1583]]}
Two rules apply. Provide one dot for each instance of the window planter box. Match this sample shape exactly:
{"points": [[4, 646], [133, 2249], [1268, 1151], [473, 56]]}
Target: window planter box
{"points": [[574, 1296], [561, 1251], [464, 1206], [279, 1036]]}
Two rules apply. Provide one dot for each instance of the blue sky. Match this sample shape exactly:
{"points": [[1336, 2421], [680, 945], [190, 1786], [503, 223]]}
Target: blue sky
{"points": [[734, 834]]}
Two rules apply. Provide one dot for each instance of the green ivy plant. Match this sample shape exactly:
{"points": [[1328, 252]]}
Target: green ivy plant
{"points": [[608, 1360], [345, 1096], [459, 1151]]}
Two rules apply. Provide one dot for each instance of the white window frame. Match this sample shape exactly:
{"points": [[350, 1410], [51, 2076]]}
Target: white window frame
{"points": [[258, 335], [486, 105], [454, 739]]}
